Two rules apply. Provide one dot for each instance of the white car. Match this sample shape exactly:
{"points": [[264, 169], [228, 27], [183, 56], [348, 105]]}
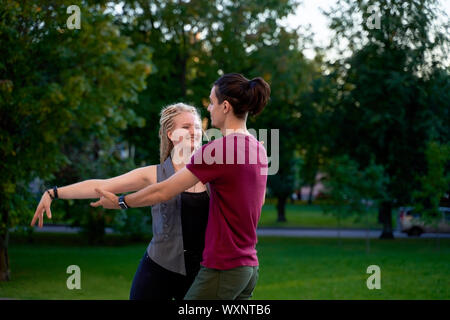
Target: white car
{"points": [[412, 224]]}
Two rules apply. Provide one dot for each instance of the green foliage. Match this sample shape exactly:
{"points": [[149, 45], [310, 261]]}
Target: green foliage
{"points": [[135, 223], [317, 131], [287, 70], [194, 43], [70, 101], [351, 190], [59, 86], [435, 183], [412, 32], [392, 88], [91, 159], [285, 181]]}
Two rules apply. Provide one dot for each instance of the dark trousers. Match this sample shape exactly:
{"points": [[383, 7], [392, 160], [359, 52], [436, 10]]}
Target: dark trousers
{"points": [[153, 282]]}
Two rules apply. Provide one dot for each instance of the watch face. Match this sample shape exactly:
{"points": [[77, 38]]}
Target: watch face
{"points": [[122, 204]]}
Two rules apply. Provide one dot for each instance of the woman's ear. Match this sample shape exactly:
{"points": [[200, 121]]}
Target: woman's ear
{"points": [[169, 135]]}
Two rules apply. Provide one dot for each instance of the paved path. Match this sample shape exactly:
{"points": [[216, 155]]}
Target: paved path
{"points": [[283, 232], [63, 229], [333, 233]]}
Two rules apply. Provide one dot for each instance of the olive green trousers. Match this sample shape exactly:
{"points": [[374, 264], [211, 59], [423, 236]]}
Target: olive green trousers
{"points": [[233, 284]]}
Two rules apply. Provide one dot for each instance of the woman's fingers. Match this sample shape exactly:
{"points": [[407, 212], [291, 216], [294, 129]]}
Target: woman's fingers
{"points": [[33, 221], [41, 218], [36, 214], [39, 215], [49, 212]]}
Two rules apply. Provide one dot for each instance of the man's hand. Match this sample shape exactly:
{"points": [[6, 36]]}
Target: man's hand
{"points": [[107, 200]]}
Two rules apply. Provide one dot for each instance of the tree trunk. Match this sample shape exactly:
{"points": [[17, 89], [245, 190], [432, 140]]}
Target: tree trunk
{"points": [[4, 239], [385, 217], [367, 232], [281, 206], [311, 189], [95, 227]]}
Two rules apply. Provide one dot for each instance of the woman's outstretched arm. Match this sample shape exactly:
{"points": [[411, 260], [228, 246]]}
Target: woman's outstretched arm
{"points": [[130, 181]]}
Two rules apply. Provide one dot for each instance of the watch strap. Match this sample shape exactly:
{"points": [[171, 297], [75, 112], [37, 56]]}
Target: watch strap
{"points": [[122, 202]]}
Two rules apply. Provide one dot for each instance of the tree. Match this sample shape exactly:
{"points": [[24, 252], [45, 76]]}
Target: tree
{"points": [[57, 82], [91, 157], [316, 130], [288, 72], [385, 107], [352, 190], [435, 183], [195, 42]]}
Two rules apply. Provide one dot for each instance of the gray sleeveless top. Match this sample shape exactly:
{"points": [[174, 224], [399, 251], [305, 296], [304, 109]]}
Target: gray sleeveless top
{"points": [[166, 246]]}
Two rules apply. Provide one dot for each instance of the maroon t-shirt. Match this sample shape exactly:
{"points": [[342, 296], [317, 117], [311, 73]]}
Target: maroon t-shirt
{"points": [[236, 168]]}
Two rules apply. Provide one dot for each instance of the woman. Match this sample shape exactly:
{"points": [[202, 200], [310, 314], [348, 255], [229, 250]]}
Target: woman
{"points": [[173, 256], [235, 166]]}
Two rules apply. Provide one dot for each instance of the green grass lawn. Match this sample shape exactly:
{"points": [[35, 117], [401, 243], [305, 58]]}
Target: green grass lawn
{"points": [[302, 215], [290, 268]]}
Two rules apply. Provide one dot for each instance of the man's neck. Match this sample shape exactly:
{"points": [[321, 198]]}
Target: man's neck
{"points": [[234, 126]]}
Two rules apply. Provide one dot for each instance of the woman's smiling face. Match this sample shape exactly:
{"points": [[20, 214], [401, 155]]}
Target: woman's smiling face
{"points": [[187, 131]]}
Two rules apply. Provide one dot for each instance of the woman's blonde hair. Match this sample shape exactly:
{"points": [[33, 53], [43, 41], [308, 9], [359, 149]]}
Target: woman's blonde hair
{"points": [[167, 123]]}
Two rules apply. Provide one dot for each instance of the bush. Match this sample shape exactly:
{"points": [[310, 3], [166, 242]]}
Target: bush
{"points": [[136, 223]]}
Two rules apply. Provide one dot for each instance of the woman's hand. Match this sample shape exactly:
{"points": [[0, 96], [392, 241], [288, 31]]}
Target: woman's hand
{"points": [[44, 205], [108, 200]]}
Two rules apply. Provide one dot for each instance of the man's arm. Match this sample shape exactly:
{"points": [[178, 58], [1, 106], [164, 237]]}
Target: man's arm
{"points": [[155, 193], [163, 191]]}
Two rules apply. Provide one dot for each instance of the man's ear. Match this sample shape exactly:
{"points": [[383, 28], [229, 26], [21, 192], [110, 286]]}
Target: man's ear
{"points": [[226, 107]]}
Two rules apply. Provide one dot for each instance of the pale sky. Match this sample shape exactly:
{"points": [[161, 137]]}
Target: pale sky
{"points": [[308, 13]]}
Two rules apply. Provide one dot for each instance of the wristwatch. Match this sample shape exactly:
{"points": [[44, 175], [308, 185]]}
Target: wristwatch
{"points": [[122, 202]]}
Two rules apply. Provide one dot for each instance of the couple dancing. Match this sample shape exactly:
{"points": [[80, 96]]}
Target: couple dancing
{"points": [[204, 213]]}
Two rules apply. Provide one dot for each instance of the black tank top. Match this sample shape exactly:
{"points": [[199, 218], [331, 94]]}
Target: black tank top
{"points": [[194, 217]]}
